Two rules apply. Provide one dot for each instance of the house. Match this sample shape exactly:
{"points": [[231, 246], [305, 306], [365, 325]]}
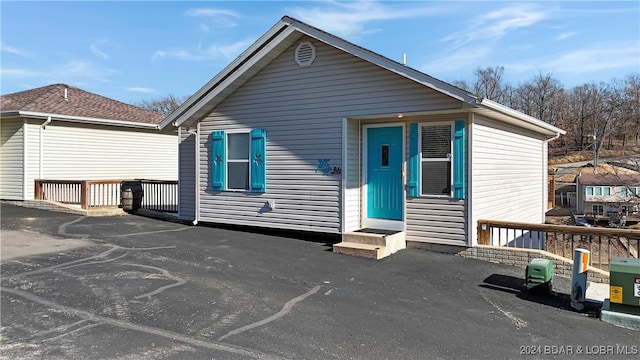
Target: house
{"points": [[599, 195], [307, 131], [65, 133]]}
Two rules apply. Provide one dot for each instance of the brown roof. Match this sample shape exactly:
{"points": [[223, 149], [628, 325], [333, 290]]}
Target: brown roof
{"points": [[51, 100], [610, 179]]}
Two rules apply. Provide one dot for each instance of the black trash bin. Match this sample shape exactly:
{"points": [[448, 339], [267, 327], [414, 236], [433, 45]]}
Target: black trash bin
{"points": [[131, 195]]}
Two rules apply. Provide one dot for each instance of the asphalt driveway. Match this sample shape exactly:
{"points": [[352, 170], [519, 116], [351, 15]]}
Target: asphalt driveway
{"points": [[144, 288]]}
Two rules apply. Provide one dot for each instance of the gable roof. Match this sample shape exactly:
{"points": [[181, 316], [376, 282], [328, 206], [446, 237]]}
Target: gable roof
{"points": [[609, 179], [286, 32], [66, 102]]}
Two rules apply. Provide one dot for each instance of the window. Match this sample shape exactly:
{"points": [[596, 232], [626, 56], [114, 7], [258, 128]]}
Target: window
{"points": [[606, 190], [598, 209], [435, 159], [437, 164], [589, 190], [238, 160], [597, 190]]}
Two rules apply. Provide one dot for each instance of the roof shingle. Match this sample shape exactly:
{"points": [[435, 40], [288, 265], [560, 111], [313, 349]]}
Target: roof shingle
{"points": [[51, 100]]}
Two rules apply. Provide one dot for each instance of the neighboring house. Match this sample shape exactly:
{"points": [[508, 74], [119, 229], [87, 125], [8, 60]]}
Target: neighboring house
{"points": [[602, 194], [60, 132], [306, 131]]}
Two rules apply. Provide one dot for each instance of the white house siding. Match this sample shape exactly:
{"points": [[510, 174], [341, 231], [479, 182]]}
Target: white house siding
{"points": [[508, 174], [32, 160], [302, 111], [436, 220], [74, 151], [11, 155], [186, 174]]}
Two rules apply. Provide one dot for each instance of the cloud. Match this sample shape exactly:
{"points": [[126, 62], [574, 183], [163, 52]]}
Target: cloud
{"points": [[606, 56], [210, 12], [462, 59], [214, 52], [80, 71], [12, 50], [95, 50], [18, 73], [495, 24], [145, 90], [566, 35], [350, 18]]}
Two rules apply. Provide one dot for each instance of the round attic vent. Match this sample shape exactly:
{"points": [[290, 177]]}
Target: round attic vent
{"points": [[305, 53]]}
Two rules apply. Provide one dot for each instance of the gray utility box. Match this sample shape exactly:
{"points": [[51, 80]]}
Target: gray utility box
{"points": [[624, 285]]}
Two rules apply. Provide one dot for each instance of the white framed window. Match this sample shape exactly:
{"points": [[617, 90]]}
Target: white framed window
{"points": [[589, 190], [598, 209], [238, 150], [436, 159]]}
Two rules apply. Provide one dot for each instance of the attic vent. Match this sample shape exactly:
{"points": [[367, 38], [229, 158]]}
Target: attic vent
{"points": [[305, 53]]}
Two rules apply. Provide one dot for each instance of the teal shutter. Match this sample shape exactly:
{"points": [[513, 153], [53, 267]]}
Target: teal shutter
{"points": [[258, 160], [459, 161], [218, 160], [414, 161]]}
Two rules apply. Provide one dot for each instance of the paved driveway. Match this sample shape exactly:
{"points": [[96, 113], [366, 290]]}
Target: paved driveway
{"points": [[150, 289]]}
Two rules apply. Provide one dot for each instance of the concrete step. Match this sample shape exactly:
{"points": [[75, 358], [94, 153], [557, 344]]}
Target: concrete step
{"points": [[371, 245], [356, 249]]}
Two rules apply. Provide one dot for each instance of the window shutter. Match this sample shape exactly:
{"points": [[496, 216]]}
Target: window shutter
{"points": [[414, 161], [258, 160], [459, 161], [218, 160]]}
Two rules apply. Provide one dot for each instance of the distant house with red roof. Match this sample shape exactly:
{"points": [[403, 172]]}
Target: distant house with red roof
{"points": [[63, 132]]}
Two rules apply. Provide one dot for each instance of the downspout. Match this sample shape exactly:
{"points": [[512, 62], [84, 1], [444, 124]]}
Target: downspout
{"points": [[197, 172], [41, 135]]}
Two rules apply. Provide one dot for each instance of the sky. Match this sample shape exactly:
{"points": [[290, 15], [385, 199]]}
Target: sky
{"points": [[134, 51]]}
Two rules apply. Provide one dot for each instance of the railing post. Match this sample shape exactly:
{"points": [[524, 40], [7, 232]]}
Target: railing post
{"points": [[484, 233], [38, 190], [84, 194]]}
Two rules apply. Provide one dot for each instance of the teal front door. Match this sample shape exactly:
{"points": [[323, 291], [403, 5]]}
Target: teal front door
{"points": [[384, 173]]}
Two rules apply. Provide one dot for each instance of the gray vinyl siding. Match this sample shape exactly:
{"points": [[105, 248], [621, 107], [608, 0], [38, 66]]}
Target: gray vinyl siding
{"points": [[433, 219], [353, 179], [75, 151], [508, 172], [11, 157], [302, 111], [186, 176]]}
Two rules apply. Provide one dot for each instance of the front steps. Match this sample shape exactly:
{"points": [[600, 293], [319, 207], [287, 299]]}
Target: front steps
{"points": [[372, 245]]}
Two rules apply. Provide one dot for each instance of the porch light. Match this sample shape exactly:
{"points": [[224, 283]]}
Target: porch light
{"points": [[400, 116]]}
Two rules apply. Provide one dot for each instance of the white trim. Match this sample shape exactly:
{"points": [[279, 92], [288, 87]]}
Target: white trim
{"points": [[227, 76], [492, 105], [451, 125], [234, 161], [197, 199], [472, 234], [25, 156], [399, 225], [82, 119], [343, 178]]}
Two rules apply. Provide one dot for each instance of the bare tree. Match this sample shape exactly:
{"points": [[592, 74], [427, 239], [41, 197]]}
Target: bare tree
{"points": [[488, 83], [164, 105]]}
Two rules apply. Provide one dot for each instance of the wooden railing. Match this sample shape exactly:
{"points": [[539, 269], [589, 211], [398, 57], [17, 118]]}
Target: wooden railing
{"points": [[156, 195], [562, 240], [86, 193]]}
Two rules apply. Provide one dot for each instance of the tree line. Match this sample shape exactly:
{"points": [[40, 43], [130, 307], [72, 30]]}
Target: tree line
{"points": [[604, 115]]}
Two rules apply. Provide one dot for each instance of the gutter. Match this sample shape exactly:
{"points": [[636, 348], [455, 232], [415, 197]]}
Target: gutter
{"points": [[82, 119], [492, 105], [41, 147]]}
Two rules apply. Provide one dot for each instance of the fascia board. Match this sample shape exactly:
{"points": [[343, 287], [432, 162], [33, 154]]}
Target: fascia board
{"points": [[494, 106], [225, 77], [88, 120]]}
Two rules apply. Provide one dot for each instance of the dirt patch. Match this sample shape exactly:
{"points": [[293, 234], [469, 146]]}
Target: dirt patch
{"points": [[16, 244]]}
